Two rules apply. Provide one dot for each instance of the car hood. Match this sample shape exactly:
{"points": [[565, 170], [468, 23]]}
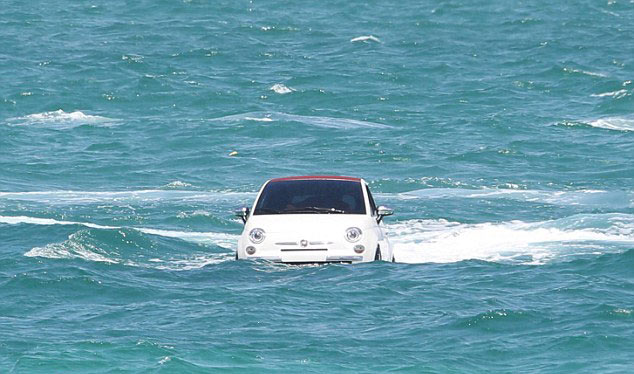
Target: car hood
{"points": [[281, 223]]}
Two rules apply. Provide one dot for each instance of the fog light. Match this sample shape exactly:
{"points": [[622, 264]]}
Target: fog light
{"points": [[359, 248], [250, 250]]}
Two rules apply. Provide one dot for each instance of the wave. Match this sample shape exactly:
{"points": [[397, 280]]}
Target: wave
{"points": [[615, 94], [584, 72], [317, 121], [609, 123], [281, 89], [72, 248], [617, 199], [84, 245], [15, 220], [261, 119], [190, 263], [177, 184], [223, 240], [441, 241], [60, 117], [365, 38], [121, 197], [614, 123]]}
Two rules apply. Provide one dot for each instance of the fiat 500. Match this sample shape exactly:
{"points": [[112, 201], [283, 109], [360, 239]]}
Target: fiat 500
{"points": [[314, 219]]}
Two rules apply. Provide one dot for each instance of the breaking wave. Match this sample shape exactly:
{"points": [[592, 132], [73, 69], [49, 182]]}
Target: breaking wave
{"points": [[177, 184], [281, 89], [60, 117], [614, 123], [365, 38], [72, 248], [608, 123], [84, 245]]}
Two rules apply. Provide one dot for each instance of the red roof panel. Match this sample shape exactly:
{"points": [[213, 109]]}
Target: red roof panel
{"points": [[306, 177]]}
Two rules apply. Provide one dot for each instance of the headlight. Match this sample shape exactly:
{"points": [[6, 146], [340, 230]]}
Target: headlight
{"points": [[257, 236], [353, 234]]}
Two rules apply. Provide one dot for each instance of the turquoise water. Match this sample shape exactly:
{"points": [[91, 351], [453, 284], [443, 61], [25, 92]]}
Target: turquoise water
{"points": [[501, 133]]}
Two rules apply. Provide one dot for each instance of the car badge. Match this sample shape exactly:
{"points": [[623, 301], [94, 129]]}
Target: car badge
{"points": [[303, 243]]}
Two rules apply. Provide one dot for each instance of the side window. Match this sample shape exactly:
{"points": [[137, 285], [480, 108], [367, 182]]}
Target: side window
{"points": [[371, 200]]}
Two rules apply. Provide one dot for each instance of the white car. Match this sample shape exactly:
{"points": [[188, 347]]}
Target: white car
{"points": [[314, 219]]}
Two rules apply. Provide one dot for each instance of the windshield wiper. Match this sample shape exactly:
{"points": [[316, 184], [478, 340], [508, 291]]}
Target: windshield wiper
{"points": [[315, 209], [268, 211]]}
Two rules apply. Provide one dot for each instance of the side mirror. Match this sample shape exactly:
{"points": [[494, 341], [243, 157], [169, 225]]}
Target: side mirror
{"points": [[242, 213], [383, 211]]}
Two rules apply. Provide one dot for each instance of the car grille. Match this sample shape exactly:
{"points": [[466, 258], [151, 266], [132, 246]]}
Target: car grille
{"points": [[303, 249], [290, 244]]}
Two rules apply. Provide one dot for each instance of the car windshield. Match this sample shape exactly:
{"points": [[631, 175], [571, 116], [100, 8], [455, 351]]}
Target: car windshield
{"points": [[311, 197]]}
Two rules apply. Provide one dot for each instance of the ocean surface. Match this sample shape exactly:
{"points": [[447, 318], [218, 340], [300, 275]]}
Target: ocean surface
{"points": [[501, 133]]}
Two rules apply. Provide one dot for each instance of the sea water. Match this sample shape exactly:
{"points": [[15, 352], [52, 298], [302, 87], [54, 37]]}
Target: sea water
{"points": [[501, 133]]}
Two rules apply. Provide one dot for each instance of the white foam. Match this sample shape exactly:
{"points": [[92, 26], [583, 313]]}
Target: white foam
{"points": [[317, 121], [14, 220], [574, 197], [262, 119], [440, 241], [615, 94], [220, 239], [331, 122], [623, 311], [60, 117], [196, 213], [177, 184], [76, 247], [585, 72], [89, 197], [613, 123], [366, 38], [193, 262], [224, 240], [71, 248], [281, 89], [164, 360]]}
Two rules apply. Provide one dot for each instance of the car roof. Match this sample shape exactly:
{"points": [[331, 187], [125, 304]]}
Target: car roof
{"points": [[320, 177]]}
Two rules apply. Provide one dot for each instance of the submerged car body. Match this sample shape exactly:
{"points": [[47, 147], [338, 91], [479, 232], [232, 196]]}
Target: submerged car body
{"points": [[314, 219]]}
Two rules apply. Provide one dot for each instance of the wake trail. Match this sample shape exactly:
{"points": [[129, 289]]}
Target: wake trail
{"points": [[426, 241], [441, 241], [224, 240]]}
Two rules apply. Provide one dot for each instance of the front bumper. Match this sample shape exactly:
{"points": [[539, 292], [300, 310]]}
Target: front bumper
{"points": [[293, 252], [329, 259]]}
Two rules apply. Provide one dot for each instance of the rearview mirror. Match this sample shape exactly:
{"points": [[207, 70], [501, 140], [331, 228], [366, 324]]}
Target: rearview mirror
{"points": [[242, 213], [383, 211]]}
